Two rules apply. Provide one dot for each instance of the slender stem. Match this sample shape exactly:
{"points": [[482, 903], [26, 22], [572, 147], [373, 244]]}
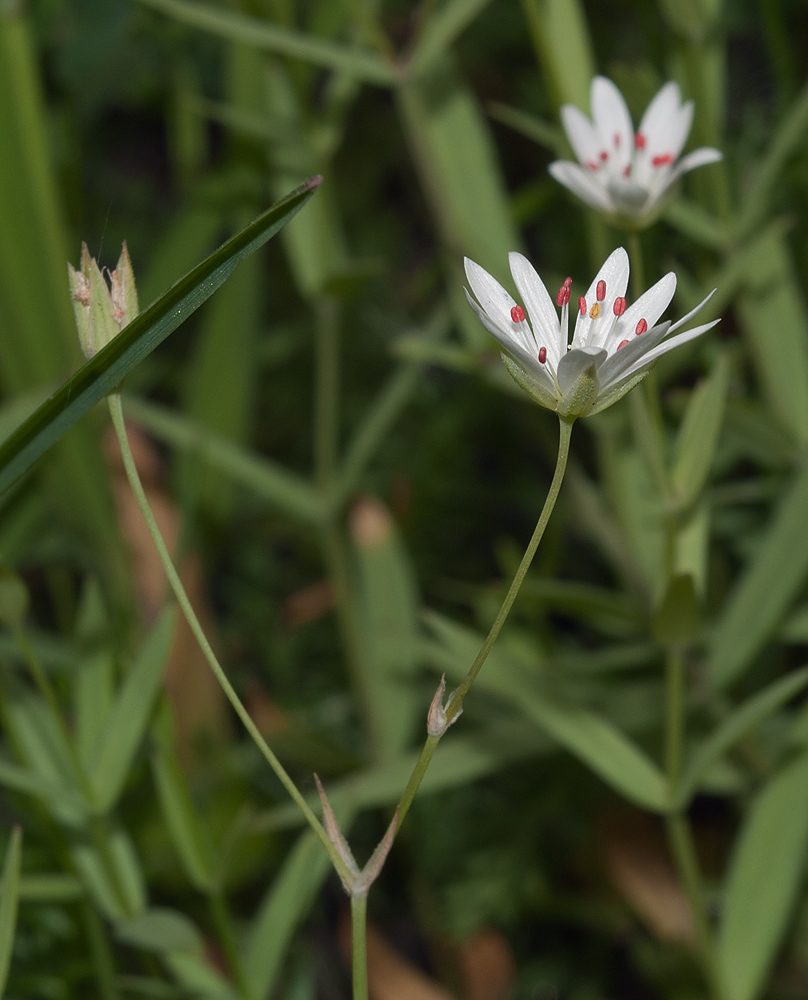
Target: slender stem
{"points": [[359, 955], [674, 715], [565, 432], [680, 838], [100, 953], [456, 702], [116, 412]]}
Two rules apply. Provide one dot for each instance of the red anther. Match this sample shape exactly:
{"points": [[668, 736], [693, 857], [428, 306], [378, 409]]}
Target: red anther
{"points": [[582, 305], [518, 314], [600, 291], [627, 170], [542, 354], [617, 140], [619, 306], [563, 295], [622, 344], [567, 282], [639, 140], [642, 326], [662, 161], [591, 165], [604, 155]]}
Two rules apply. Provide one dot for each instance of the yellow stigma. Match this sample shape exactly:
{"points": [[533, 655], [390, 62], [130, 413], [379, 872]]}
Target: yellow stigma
{"points": [[594, 312]]}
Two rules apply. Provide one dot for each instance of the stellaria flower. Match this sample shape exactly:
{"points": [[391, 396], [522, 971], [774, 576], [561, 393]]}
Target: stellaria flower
{"points": [[613, 345], [620, 172]]}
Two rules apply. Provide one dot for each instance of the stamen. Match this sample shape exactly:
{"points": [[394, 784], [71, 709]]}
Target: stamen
{"points": [[604, 155], [567, 282], [642, 326], [662, 161], [582, 305], [619, 306], [627, 170], [617, 140], [563, 295], [518, 314], [594, 312], [600, 291], [542, 354], [622, 344], [591, 165], [639, 140]]}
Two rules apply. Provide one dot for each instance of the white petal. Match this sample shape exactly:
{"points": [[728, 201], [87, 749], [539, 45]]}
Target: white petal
{"points": [[649, 306], [698, 158], [512, 346], [692, 313], [614, 273], [612, 122], [658, 122], [538, 303], [581, 182], [668, 345], [680, 129], [497, 302], [581, 134], [626, 358]]}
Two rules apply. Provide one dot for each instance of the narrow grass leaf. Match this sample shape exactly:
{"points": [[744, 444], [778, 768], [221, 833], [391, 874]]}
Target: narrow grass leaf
{"points": [[199, 978], [113, 876], [742, 720], [188, 835], [274, 484], [766, 590], [129, 716], [531, 127], [698, 435], [764, 880], [283, 908], [561, 37], [9, 900], [443, 27], [104, 372], [269, 37], [162, 930]]}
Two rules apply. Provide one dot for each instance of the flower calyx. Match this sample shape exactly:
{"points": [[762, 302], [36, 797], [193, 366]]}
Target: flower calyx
{"points": [[355, 881]]}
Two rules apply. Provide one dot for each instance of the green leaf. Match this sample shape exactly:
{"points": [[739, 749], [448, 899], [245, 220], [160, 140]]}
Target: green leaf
{"points": [[387, 602], [162, 930], [9, 900], [591, 738], [113, 875], [764, 880], [56, 888], [286, 903], [199, 978], [697, 224], [442, 28], [275, 38], [104, 372], [273, 483], [64, 803], [561, 37], [188, 835], [677, 618], [92, 697], [766, 590], [741, 721], [698, 435], [130, 714]]}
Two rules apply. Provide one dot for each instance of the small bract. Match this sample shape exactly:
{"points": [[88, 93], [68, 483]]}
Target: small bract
{"points": [[102, 309], [622, 173], [613, 345]]}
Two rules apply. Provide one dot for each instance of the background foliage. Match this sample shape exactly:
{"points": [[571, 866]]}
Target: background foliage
{"points": [[347, 476]]}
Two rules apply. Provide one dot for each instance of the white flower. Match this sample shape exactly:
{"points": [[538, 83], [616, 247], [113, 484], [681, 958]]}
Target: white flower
{"points": [[613, 345], [619, 172]]}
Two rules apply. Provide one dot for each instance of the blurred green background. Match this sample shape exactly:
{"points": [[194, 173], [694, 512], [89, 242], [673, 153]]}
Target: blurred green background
{"points": [[348, 478]]}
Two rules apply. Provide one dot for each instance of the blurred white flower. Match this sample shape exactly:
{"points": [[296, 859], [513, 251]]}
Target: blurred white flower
{"points": [[619, 172], [613, 346]]}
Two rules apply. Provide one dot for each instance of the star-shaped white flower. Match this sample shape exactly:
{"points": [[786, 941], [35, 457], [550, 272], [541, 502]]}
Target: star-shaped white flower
{"points": [[613, 346], [620, 172]]}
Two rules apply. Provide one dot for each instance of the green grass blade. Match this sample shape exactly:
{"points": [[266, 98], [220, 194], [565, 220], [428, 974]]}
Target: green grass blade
{"points": [[9, 899], [129, 717], [441, 30], [272, 482], [743, 720], [764, 880], [280, 40], [766, 590], [531, 127], [106, 370]]}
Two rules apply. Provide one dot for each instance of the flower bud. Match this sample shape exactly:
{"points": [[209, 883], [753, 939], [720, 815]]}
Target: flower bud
{"points": [[102, 309]]}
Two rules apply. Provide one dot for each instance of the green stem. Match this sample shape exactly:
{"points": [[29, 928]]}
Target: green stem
{"points": [[326, 391], [100, 953], [674, 715], [359, 956], [116, 412], [456, 702]]}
